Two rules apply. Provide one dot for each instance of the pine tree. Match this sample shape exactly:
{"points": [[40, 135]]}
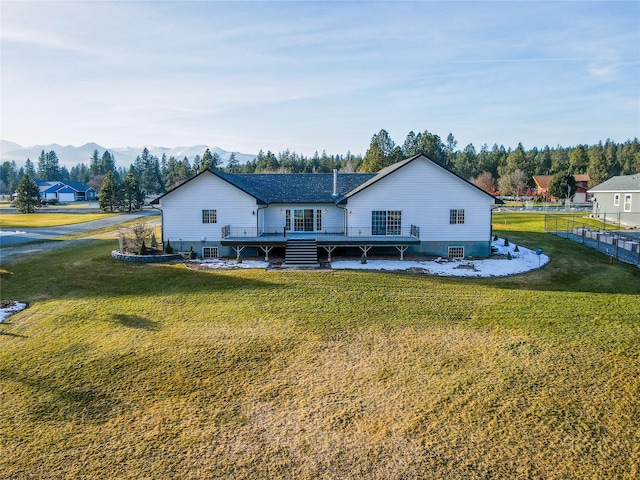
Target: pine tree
{"points": [[28, 198], [132, 193], [110, 193]]}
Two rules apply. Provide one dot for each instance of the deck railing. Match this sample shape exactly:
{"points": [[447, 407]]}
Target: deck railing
{"points": [[330, 233]]}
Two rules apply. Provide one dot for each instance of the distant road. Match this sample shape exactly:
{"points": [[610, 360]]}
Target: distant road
{"points": [[13, 244]]}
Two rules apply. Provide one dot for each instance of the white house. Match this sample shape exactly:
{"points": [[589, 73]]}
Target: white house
{"points": [[414, 206], [618, 200]]}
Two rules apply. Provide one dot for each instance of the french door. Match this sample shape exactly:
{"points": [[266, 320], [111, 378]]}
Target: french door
{"points": [[304, 220]]}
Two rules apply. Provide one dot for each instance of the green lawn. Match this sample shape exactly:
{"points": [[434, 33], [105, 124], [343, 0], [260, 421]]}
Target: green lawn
{"points": [[158, 371], [18, 220]]}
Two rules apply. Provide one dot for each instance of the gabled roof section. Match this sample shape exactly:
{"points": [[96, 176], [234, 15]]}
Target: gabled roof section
{"points": [[621, 183], [297, 187], [269, 188], [218, 174], [398, 165]]}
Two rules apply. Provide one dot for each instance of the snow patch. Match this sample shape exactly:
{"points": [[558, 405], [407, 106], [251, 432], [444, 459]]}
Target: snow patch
{"points": [[9, 310], [522, 261]]}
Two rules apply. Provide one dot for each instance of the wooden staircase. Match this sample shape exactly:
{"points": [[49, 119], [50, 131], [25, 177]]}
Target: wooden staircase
{"points": [[301, 253]]}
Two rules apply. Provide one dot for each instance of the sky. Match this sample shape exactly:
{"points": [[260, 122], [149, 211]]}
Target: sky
{"points": [[318, 75]]}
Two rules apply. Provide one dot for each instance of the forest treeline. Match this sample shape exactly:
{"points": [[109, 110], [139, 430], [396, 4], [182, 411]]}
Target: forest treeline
{"points": [[495, 168]]}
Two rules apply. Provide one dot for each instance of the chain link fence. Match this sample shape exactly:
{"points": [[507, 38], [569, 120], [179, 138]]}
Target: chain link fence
{"points": [[611, 238]]}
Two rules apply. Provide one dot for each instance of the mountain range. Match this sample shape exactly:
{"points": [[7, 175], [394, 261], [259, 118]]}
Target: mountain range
{"points": [[69, 156]]}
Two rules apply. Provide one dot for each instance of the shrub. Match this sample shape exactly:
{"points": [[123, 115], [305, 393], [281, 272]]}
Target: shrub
{"points": [[192, 253], [363, 258], [506, 242], [516, 249], [509, 256], [495, 238], [154, 242], [143, 249], [168, 249], [239, 258]]}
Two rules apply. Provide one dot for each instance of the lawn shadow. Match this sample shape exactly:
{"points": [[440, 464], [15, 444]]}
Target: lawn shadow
{"points": [[63, 402], [9, 334], [135, 321]]}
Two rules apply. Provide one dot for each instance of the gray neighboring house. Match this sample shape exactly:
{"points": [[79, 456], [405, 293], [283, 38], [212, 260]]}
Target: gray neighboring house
{"points": [[618, 200]]}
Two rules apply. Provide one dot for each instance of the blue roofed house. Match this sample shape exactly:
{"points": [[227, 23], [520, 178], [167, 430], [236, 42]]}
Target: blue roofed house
{"points": [[414, 206], [65, 191]]}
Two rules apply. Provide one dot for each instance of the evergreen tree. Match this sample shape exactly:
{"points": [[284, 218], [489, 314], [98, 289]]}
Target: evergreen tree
{"points": [[466, 162], [578, 160], [132, 193], [28, 198], [432, 147], [48, 166], [108, 164], [110, 193], [562, 185], [233, 166], [559, 160], [209, 161], [29, 168], [381, 153], [598, 169], [95, 166]]}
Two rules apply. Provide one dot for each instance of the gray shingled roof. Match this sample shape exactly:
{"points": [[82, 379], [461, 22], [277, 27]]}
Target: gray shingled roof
{"points": [[621, 183], [296, 187]]}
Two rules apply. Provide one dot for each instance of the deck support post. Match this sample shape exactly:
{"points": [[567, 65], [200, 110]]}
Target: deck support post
{"points": [[266, 249], [238, 250], [329, 249], [365, 249], [402, 249]]}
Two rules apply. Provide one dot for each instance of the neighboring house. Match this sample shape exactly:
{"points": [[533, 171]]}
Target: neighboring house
{"points": [[582, 181], [65, 191], [618, 200], [414, 206]]}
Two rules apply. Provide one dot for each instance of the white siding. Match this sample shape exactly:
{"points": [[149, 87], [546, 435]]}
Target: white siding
{"points": [[332, 221], [182, 209], [425, 193]]}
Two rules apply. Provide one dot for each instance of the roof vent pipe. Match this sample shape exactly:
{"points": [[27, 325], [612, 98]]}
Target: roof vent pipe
{"points": [[335, 182]]}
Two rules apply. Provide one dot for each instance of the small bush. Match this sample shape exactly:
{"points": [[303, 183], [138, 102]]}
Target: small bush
{"points": [[506, 242], [363, 258], [192, 253], [495, 238], [509, 256], [154, 242], [239, 258], [143, 249], [168, 249], [516, 249]]}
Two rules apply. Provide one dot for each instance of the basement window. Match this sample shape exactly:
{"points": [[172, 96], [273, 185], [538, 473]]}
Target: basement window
{"points": [[456, 252], [209, 252]]}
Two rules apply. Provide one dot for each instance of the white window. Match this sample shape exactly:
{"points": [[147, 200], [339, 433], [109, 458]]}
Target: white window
{"points": [[456, 252], [616, 200], [386, 222], [627, 202], [209, 216], [209, 252], [456, 216]]}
